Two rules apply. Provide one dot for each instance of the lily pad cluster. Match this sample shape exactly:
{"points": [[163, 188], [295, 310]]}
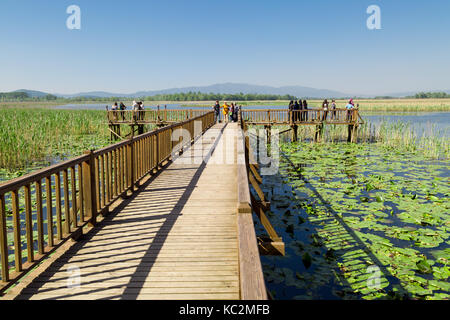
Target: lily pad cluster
{"points": [[359, 222]]}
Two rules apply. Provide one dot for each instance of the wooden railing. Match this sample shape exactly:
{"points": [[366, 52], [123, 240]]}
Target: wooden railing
{"points": [[252, 285], [41, 210], [310, 116], [153, 116]]}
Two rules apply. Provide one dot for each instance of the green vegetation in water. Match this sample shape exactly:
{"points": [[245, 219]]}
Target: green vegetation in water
{"points": [[28, 136], [348, 210], [397, 137], [370, 105]]}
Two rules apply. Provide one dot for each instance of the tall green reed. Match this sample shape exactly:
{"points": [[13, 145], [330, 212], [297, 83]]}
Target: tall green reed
{"points": [[28, 135]]}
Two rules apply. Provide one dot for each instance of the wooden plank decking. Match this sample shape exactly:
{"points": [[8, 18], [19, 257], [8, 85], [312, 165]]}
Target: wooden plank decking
{"points": [[175, 239]]}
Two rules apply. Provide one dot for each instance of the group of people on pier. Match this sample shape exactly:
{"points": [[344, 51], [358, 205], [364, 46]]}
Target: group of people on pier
{"points": [[328, 112], [116, 107], [229, 112], [298, 106], [120, 110]]}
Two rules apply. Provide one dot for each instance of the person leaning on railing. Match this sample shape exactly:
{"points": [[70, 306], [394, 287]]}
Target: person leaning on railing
{"points": [[349, 107]]}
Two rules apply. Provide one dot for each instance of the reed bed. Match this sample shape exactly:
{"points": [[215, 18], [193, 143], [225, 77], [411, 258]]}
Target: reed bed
{"points": [[30, 135], [395, 136], [366, 105], [393, 105], [373, 105]]}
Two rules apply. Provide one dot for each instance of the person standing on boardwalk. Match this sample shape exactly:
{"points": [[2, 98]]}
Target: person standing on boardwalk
{"points": [[232, 111], [140, 109], [122, 108], [225, 110], [301, 115], [296, 110], [135, 109], [236, 113], [333, 109], [114, 109], [350, 106], [216, 108], [290, 109], [325, 109], [305, 108]]}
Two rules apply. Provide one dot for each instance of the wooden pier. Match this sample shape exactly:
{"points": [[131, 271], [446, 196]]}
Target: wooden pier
{"points": [[311, 117], [137, 220], [167, 214]]}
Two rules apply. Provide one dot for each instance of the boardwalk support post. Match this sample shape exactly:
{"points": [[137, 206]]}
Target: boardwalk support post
{"points": [[294, 133], [318, 132]]}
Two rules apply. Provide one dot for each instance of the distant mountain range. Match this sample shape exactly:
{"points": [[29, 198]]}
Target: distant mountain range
{"points": [[231, 88], [33, 93]]}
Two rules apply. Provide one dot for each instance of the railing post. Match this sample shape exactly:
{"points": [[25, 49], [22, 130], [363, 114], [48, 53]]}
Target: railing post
{"points": [[157, 150], [3, 240], [90, 197], [130, 161]]}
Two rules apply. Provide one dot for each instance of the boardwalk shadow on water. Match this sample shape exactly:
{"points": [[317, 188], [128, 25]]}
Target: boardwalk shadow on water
{"points": [[114, 259], [342, 267]]}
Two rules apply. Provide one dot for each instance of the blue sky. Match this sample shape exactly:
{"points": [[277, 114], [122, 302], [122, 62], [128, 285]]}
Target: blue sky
{"points": [[127, 46]]}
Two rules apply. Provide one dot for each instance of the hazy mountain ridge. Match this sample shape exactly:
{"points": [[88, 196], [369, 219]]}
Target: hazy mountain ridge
{"points": [[230, 88]]}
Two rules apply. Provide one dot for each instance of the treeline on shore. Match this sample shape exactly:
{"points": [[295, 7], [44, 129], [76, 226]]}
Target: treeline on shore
{"points": [[432, 95], [188, 96], [23, 96], [192, 96]]}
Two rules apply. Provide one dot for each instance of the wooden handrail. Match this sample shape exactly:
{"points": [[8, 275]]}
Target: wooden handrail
{"points": [[252, 286], [153, 116], [309, 116], [90, 184]]}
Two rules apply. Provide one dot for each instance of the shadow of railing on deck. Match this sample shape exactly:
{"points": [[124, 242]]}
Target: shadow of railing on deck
{"points": [[143, 268]]}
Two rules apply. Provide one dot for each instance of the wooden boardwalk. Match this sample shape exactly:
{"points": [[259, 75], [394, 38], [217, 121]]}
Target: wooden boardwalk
{"points": [[176, 238]]}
